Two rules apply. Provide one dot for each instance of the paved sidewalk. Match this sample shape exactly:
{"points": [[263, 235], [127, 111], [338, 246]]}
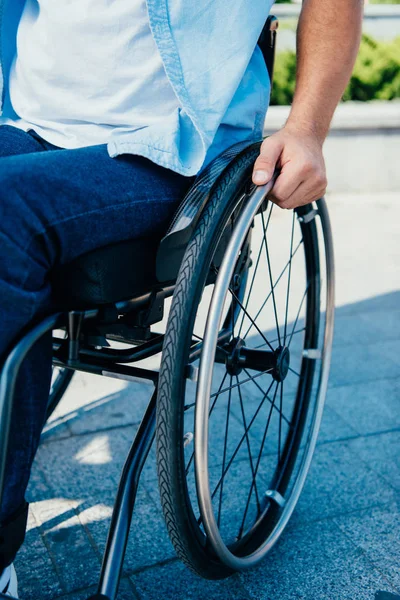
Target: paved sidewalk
{"points": [[344, 539]]}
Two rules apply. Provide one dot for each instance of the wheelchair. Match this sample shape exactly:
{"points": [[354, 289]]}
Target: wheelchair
{"points": [[236, 304]]}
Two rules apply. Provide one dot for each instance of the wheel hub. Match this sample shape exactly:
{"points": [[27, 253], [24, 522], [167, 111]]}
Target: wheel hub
{"points": [[238, 357], [282, 363], [235, 361]]}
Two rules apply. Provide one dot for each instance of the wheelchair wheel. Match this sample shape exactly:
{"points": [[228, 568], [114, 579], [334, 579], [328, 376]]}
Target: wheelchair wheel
{"points": [[61, 378], [244, 374]]}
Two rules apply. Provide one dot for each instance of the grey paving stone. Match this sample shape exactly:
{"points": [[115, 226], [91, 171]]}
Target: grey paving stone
{"points": [[385, 324], [37, 577], [364, 363], [340, 482], [382, 454], [75, 559], [377, 533], [86, 470], [55, 429], [393, 347], [38, 488], [315, 561], [367, 407], [366, 327], [384, 303], [148, 539], [125, 407], [175, 581], [126, 592], [81, 466], [333, 426], [90, 404]]}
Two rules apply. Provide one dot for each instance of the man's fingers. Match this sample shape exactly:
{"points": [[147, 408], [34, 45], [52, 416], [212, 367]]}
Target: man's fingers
{"points": [[306, 192], [289, 179], [265, 164]]}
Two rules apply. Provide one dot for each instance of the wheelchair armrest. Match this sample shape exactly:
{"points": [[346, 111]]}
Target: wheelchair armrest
{"points": [[173, 245]]}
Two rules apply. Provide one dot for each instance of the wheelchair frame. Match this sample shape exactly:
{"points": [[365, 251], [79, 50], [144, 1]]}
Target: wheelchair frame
{"points": [[133, 328]]}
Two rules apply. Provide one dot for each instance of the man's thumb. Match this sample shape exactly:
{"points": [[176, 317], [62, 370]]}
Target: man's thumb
{"points": [[265, 164]]}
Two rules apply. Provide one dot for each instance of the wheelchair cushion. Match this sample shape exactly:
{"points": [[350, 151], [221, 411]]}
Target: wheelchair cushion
{"points": [[107, 275]]}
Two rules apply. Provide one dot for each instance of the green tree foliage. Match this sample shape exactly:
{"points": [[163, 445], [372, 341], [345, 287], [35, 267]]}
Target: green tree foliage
{"points": [[376, 73]]}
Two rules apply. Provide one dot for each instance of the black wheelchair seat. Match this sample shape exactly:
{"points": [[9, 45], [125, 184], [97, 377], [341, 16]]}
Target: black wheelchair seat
{"points": [[127, 269], [107, 275]]}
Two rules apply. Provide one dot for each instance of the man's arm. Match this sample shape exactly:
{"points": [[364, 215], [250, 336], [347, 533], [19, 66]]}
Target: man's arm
{"points": [[328, 37]]}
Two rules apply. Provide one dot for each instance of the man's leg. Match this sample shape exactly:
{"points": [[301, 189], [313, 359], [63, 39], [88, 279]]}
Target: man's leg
{"points": [[14, 141], [55, 206]]}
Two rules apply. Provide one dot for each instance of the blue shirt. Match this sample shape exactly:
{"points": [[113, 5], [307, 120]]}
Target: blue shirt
{"points": [[210, 54]]}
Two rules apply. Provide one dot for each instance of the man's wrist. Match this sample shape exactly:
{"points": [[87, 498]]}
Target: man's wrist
{"points": [[308, 126]]}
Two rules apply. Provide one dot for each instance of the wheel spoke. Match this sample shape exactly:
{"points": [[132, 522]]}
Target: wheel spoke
{"points": [[288, 286], [209, 413], [298, 314], [197, 345], [274, 286], [262, 391], [295, 372], [276, 339], [255, 268], [250, 378], [228, 412], [243, 438], [255, 325], [258, 463], [248, 444]]}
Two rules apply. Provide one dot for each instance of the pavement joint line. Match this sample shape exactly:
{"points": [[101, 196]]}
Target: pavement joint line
{"points": [[52, 558], [91, 540], [351, 438], [161, 563], [83, 433], [43, 537], [134, 590], [82, 589], [342, 513]]}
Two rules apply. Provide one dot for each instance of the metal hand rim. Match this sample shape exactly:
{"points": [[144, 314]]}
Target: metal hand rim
{"points": [[205, 379]]}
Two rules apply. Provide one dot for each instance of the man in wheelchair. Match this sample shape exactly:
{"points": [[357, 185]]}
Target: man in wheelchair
{"points": [[112, 114]]}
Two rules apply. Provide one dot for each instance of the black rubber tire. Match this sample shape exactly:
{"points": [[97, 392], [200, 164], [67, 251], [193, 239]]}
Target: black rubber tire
{"points": [[169, 434]]}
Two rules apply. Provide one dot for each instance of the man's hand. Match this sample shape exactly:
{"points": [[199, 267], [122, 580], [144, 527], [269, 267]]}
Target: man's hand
{"points": [[328, 36], [298, 156]]}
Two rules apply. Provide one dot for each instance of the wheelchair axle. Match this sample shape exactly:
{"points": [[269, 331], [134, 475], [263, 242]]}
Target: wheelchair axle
{"points": [[236, 357]]}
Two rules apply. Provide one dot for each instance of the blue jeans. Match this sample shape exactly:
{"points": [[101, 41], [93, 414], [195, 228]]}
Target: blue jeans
{"points": [[57, 204]]}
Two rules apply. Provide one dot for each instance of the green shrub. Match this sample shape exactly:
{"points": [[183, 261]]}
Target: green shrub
{"points": [[376, 74], [284, 78], [384, 1]]}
